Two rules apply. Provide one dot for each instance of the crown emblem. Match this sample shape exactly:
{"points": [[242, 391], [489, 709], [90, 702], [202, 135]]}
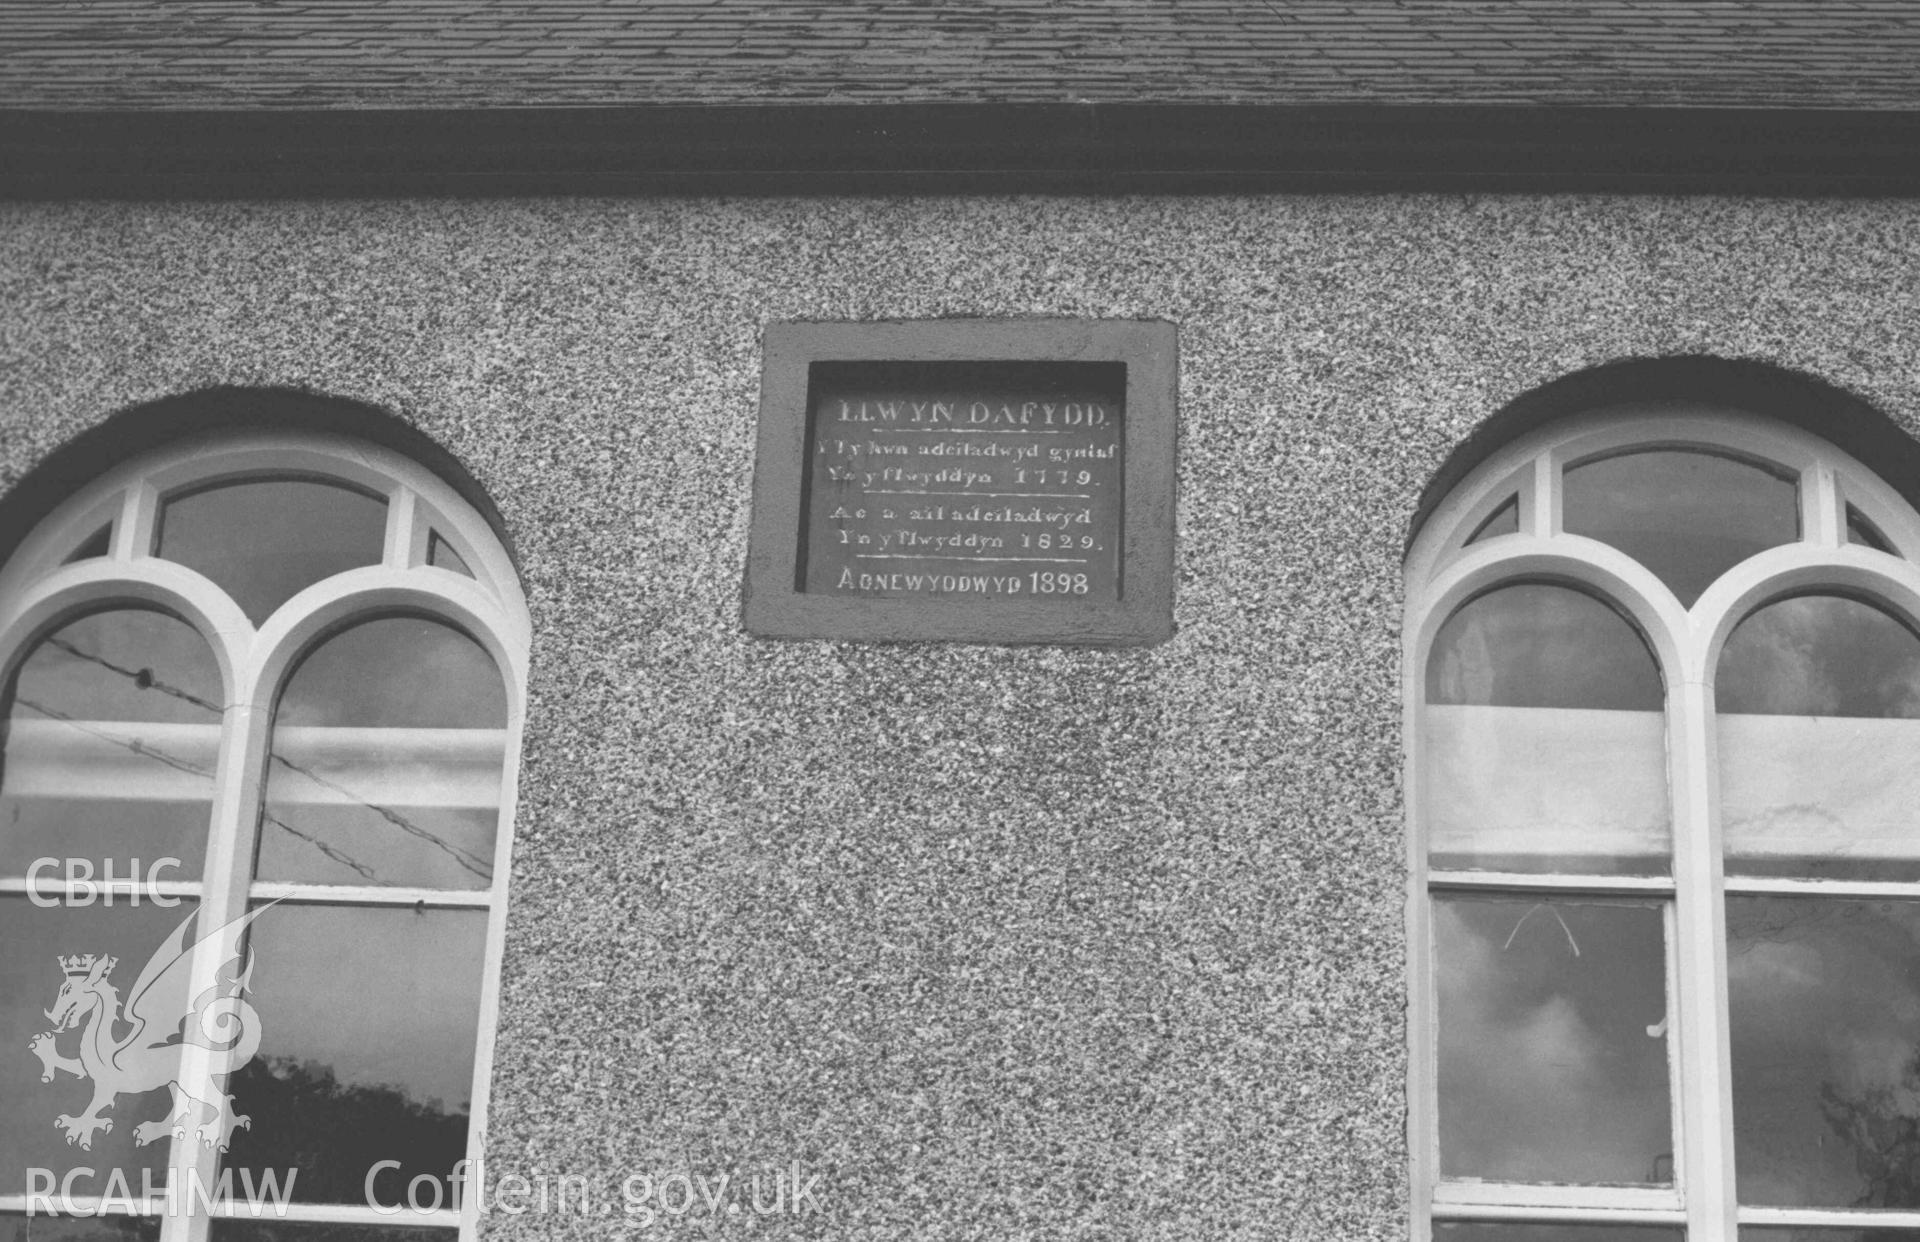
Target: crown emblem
{"points": [[82, 964]]}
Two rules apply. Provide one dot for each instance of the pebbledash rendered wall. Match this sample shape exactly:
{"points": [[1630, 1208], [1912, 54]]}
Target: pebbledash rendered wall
{"points": [[1001, 942]]}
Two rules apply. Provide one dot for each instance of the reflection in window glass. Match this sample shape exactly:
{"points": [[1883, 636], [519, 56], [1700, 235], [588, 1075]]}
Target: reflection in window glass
{"points": [[1541, 645], [1821, 655], [33, 940], [266, 540], [1502, 521], [91, 1229], [1866, 534], [440, 555], [1543, 738], [1802, 1233], [366, 1055], [388, 745], [1517, 1231], [93, 548], [1553, 1048], [113, 722], [287, 1231], [1819, 700], [1825, 1020], [1689, 516], [396, 672]]}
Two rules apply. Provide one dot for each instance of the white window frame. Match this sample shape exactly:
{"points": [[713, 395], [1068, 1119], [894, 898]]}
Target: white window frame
{"points": [[1444, 571], [38, 592]]}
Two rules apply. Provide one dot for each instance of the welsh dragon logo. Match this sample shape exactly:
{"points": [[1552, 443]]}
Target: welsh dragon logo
{"points": [[144, 1047]]}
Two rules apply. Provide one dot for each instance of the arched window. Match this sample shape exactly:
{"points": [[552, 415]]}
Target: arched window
{"points": [[262, 703], [1663, 704]]}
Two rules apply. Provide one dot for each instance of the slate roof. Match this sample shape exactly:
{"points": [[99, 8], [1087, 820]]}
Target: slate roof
{"points": [[440, 54]]}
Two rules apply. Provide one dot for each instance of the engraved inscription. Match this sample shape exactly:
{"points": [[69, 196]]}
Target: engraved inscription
{"points": [[983, 481]]}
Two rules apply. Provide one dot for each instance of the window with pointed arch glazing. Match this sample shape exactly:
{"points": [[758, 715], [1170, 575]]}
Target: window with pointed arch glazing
{"points": [[271, 682], [1663, 719]]}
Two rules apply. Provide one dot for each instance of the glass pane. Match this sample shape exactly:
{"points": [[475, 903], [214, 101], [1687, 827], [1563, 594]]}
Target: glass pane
{"points": [[1515, 1231], [440, 555], [35, 945], [1825, 1000], [113, 726], [1687, 515], [1543, 738], [1864, 533], [1553, 1049], [266, 540], [369, 1017], [1502, 521], [1819, 700], [94, 548], [1804, 1233], [396, 672], [283, 1231], [387, 753], [92, 1229]]}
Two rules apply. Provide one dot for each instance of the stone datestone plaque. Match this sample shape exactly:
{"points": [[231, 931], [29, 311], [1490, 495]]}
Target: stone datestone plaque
{"points": [[993, 481], [996, 480]]}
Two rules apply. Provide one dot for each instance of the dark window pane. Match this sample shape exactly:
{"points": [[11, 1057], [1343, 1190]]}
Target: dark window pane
{"points": [[369, 1018], [284, 1231], [90, 1229], [1820, 722], [129, 664], [1804, 1233], [33, 942], [1864, 533], [369, 842], [1543, 738], [94, 548], [1502, 521], [1516, 1231], [1553, 1050], [1688, 516], [113, 726], [1821, 655], [265, 540], [387, 753], [440, 555], [396, 672], [1536, 644], [1825, 1001]]}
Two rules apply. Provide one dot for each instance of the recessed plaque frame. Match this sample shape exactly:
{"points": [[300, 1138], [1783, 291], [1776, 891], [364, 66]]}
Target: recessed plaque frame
{"points": [[1130, 600]]}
